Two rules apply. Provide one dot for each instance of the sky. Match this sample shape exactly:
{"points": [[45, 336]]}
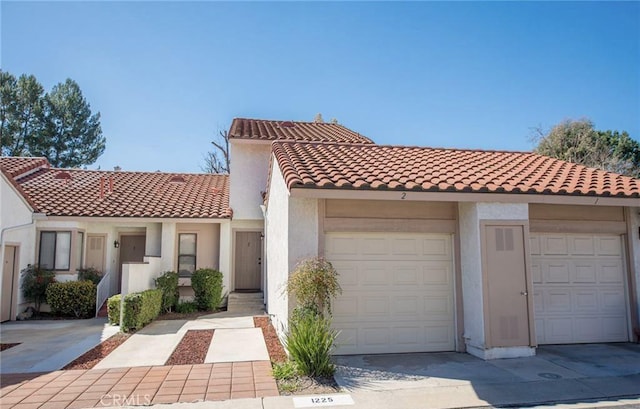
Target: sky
{"points": [[167, 76]]}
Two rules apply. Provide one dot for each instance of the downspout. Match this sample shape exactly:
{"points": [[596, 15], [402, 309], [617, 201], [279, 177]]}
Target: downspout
{"points": [[264, 257]]}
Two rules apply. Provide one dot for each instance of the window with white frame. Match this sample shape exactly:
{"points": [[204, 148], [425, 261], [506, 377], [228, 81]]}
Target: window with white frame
{"points": [[55, 250], [187, 244]]}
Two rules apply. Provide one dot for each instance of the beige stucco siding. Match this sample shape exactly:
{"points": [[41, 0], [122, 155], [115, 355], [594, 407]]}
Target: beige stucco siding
{"points": [[208, 243], [248, 178]]}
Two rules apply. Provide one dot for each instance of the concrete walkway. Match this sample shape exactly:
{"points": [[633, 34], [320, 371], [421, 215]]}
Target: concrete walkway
{"points": [[49, 345], [235, 340]]}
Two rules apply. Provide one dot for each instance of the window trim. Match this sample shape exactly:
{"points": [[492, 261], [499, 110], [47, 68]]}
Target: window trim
{"points": [[55, 246], [194, 255]]}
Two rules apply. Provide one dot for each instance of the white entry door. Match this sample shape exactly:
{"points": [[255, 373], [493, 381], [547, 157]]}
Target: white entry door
{"points": [[397, 292], [579, 288]]}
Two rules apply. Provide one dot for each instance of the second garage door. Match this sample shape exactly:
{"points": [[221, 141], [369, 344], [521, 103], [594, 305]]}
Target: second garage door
{"points": [[579, 288], [397, 292]]}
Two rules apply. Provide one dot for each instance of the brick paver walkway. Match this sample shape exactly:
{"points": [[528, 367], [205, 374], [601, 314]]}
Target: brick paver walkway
{"points": [[138, 385]]}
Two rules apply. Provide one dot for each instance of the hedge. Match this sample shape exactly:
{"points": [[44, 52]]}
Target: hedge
{"points": [[207, 286], [168, 283], [113, 309], [140, 309], [72, 298]]}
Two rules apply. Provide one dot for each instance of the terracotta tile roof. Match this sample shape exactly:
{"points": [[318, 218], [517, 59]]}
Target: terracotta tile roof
{"points": [[266, 130], [75, 192], [15, 166], [375, 167]]}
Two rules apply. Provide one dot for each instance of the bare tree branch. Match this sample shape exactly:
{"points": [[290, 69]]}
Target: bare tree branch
{"points": [[218, 160]]}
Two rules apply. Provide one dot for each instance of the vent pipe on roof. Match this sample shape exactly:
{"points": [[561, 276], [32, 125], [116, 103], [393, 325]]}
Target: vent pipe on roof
{"points": [[318, 118], [117, 168]]}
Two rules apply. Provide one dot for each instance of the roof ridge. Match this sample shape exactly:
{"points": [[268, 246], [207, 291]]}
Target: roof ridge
{"points": [[291, 120], [138, 172], [404, 146]]}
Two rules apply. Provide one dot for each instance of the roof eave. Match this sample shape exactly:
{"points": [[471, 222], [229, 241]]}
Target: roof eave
{"points": [[372, 194]]}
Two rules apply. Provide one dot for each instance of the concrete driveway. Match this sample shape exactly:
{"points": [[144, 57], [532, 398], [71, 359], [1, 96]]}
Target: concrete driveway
{"points": [[446, 380], [49, 345]]}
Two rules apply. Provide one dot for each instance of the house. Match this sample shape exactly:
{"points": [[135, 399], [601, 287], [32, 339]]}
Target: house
{"points": [[130, 225], [488, 252]]}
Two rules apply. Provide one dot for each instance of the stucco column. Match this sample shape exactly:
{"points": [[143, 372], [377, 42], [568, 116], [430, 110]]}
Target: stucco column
{"points": [[154, 240], [470, 217], [225, 254], [167, 251]]}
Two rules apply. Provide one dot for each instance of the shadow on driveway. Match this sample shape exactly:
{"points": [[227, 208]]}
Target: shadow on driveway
{"points": [[576, 373]]}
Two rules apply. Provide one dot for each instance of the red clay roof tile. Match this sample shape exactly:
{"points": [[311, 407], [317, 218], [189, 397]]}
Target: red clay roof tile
{"points": [[76, 192], [268, 130], [375, 167]]}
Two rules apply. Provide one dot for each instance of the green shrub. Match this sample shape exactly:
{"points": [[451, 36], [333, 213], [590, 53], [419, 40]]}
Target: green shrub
{"points": [[314, 283], [310, 341], [285, 371], [113, 309], [187, 307], [140, 309], [35, 281], [207, 286], [72, 298], [89, 274], [168, 283]]}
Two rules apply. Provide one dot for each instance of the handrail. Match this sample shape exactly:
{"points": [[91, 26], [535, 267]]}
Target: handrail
{"points": [[103, 290]]}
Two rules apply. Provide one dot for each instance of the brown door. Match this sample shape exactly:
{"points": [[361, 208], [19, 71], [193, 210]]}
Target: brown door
{"points": [[507, 312], [95, 252], [248, 260], [8, 282], [131, 250]]}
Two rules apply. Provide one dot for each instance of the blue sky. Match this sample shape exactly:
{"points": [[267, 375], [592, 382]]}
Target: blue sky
{"points": [[165, 76]]}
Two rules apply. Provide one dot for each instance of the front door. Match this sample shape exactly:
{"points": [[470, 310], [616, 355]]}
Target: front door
{"points": [[8, 282], [506, 307], [132, 249], [248, 260]]}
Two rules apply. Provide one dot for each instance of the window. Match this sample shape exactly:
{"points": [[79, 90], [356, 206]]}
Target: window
{"points": [[55, 250], [186, 254]]}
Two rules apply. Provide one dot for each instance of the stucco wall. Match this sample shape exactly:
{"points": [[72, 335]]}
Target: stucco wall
{"points": [[471, 267], [15, 213], [248, 178], [277, 249]]}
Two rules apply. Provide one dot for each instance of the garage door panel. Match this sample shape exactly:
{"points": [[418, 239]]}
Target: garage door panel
{"points": [[610, 271], [556, 271], [583, 246], [579, 296], [609, 246], [555, 245], [398, 301]]}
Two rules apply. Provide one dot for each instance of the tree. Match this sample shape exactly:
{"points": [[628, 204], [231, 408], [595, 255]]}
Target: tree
{"points": [[58, 125], [71, 135], [579, 142], [20, 113], [218, 160]]}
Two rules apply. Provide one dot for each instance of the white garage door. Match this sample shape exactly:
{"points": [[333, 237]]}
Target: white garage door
{"points": [[579, 288], [397, 292]]}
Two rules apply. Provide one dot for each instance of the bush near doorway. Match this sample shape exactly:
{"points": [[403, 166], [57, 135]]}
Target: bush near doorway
{"points": [[35, 281], [207, 286], [72, 298]]}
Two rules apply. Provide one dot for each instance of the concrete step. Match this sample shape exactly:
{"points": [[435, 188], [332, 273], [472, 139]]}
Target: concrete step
{"points": [[245, 302], [246, 296]]}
